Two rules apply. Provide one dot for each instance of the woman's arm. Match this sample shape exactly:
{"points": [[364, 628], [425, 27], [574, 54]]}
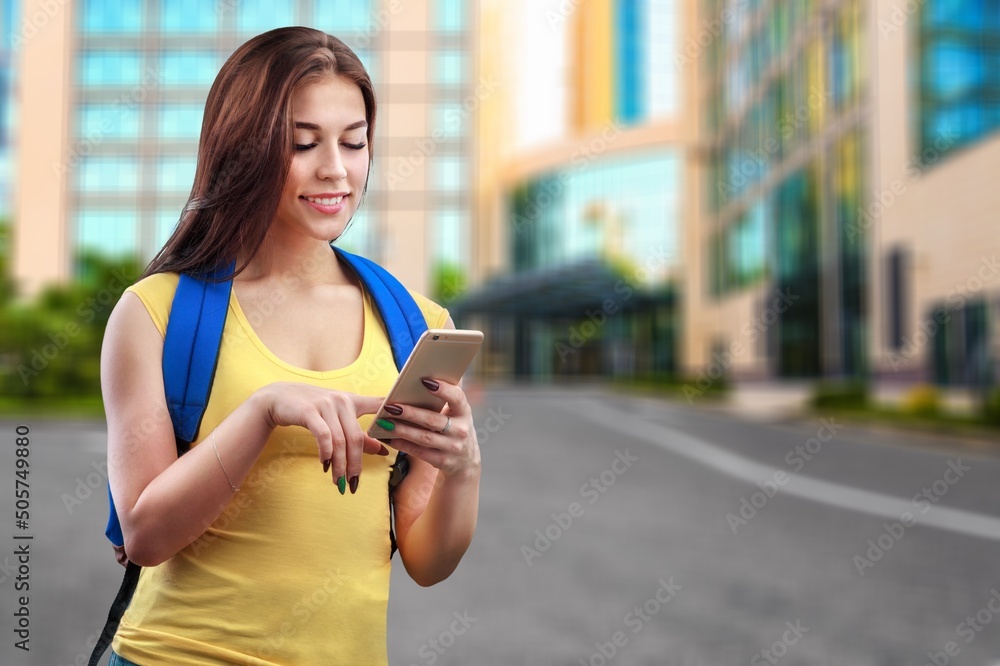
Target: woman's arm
{"points": [[164, 502], [437, 504]]}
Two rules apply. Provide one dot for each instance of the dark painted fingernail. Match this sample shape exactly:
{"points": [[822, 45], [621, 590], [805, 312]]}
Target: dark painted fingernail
{"points": [[395, 410], [354, 484], [326, 465], [342, 484], [385, 425], [383, 451], [430, 384]]}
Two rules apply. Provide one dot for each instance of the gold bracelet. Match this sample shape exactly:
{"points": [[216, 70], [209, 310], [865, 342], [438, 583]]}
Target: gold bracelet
{"points": [[216, 447]]}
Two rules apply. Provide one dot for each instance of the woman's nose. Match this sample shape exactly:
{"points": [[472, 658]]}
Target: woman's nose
{"points": [[332, 167]]}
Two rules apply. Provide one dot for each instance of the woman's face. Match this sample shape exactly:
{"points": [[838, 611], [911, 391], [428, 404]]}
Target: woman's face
{"points": [[330, 159]]}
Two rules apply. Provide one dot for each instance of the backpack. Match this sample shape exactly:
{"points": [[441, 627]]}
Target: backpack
{"points": [[190, 354]]}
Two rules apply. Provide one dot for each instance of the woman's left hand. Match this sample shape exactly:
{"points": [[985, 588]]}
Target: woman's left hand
{"points": [[445, 440]]}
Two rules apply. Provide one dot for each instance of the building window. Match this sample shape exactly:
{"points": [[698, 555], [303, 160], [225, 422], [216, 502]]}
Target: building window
{"points": [[175, 174], [337, 16], [662, 44], [108, 174], [448, 246], [449, 174], [110, 68], [449, 67], [189, 16], [261, 15], [112, 16], [959, 87], [188, 68], [180, 121], [166, 222], [630, 47], [107, 121], [109, 233], [449, 15], [896, 285]]}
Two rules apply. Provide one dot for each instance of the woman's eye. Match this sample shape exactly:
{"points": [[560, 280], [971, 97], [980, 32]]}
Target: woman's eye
{"points": [[304, 146], [355, 146]]}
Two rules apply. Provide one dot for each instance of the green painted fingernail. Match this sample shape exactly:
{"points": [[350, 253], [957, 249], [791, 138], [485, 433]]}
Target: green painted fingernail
{"points": [[342, 484], [385, 425]]}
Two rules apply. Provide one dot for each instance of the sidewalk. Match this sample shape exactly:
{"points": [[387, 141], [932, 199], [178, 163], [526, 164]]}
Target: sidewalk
{"points": [[781, 401]]}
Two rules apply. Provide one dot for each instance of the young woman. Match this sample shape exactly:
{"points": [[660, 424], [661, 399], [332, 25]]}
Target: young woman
{"points": [[292, 569]]}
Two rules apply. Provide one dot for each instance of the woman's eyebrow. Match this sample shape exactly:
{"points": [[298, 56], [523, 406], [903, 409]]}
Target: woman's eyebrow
{"points": [[315, 127]]}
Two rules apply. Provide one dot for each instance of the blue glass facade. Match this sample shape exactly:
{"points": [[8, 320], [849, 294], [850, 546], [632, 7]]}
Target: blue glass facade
{"points": [[630, 48], [959, 72], [787, 91], [617, 208], [141, 76], [450, 120]]}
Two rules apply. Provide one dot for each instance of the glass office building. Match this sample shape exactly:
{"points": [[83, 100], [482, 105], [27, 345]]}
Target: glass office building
{"points": [[589, 215], [139, 76], [786, 110], [843, 141], [958, 67], [959, 71]]}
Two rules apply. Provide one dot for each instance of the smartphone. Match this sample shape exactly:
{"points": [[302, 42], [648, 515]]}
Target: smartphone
{"points": [[441, 353]]}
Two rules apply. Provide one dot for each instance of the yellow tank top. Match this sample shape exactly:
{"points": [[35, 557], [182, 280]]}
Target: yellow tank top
{"points": [[292, 572]]}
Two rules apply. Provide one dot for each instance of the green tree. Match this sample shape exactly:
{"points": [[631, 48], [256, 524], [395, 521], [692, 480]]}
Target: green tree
{"points": [[50, 346], [448, 282]]}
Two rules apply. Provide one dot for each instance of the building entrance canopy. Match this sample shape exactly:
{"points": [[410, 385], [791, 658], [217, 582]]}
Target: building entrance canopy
{"points": [[567, 291]]}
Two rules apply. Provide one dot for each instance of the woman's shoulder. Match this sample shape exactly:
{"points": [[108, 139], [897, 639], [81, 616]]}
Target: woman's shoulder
{"points": [[156, 282], [435, 314], [156, 292]]}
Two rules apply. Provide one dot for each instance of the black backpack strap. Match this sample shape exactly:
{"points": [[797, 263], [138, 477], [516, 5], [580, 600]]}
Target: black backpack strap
{"points": [[117, 610]]}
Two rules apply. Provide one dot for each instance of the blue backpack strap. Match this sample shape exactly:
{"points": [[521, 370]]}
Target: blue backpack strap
{"points": [[191, 349], [403, 318], [190, 355]]}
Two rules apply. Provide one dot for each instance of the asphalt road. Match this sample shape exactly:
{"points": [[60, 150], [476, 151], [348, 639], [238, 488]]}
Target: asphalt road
{"points": [[619, 530]]}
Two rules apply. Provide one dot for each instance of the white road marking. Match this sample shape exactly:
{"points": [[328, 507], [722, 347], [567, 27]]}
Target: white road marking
{"points": [[816, 490]]}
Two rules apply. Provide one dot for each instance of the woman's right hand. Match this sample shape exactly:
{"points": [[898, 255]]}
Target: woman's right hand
{"points": [[332, 418]]}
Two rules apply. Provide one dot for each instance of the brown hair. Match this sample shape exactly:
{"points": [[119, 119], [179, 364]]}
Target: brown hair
{"points": [[246, 145]]}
